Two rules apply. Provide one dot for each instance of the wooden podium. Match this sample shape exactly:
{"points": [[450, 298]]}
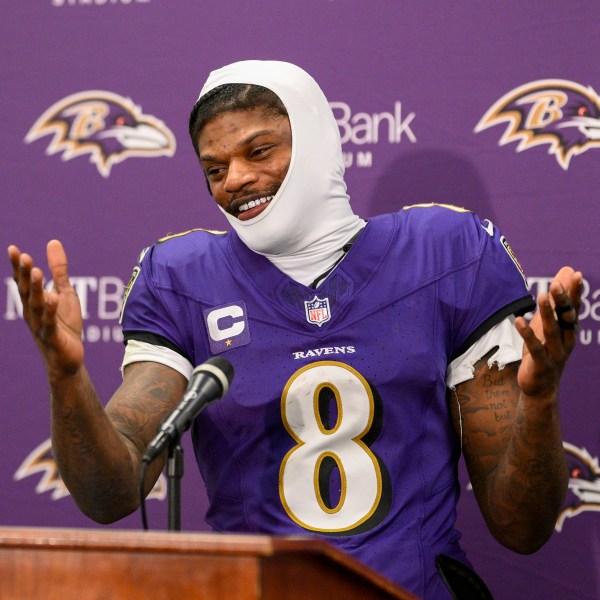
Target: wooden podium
{"points": [[101, 564]]}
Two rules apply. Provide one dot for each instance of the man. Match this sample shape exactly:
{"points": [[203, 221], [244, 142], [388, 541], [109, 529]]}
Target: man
{"points": [[364, 353]]}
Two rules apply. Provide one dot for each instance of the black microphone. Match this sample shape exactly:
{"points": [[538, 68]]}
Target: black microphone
{"points": [[209, 382]]}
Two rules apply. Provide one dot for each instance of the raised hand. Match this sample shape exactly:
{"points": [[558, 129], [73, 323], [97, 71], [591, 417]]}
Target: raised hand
{"points": [[54, 317], [551, 335]]}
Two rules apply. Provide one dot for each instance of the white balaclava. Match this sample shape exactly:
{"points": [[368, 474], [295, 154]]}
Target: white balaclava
{"points": [[304, 227]]}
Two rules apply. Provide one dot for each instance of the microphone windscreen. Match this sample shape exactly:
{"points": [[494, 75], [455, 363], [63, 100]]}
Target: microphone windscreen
{"points": [[220, 367]]}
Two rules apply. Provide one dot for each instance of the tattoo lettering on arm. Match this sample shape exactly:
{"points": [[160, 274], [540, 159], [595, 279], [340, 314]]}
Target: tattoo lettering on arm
{"points": [[538, 454], [486, 410], [511, 449]]}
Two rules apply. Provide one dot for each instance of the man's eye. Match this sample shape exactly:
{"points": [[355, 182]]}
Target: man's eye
{"points": [[260, 151]]}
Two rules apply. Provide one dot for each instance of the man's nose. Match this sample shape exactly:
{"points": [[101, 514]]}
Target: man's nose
{"points": [[239, 174]]}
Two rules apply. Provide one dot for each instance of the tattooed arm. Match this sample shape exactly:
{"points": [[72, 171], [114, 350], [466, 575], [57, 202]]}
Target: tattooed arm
{"points": [[513, 451], [510, 426], [98, 451]]}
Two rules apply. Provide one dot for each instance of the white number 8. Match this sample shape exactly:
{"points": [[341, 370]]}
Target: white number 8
{"points": [[359, 469]]}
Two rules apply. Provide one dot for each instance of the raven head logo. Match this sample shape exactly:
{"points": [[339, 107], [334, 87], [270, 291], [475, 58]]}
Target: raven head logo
{"points": [[584, 483], [41, 460], [562, 114], [108, 127]]}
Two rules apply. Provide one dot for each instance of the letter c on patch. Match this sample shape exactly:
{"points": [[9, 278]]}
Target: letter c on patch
{"points": [[218, 330]]}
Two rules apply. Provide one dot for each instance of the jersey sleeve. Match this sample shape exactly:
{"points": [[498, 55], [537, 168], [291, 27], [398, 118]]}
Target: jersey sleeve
{"points": [[495, 289], [136, 351], [146, 315]]}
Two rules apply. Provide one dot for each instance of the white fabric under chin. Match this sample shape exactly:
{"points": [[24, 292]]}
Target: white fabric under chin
{"points": [[304, 227], [504, 335], [510, 349]]}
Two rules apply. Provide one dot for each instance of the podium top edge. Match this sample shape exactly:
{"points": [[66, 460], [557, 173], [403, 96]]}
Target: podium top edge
{"points": [[139, 540]]}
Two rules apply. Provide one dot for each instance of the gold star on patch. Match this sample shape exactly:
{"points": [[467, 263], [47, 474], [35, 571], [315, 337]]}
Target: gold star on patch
{"points": [[228, 343]]}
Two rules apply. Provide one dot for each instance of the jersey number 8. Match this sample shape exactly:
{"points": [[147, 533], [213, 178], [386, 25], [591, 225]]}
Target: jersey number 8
{"points": [[322, 447]]}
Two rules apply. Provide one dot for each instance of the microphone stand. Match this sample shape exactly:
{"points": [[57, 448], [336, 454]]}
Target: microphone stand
{"points": [[174, 475], [208, 382]]}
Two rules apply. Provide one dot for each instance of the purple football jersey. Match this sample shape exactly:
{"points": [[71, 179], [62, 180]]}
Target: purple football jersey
{"points": [[336, 423]]}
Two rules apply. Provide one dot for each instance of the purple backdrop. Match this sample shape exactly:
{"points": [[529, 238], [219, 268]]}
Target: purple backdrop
{"points": [[486, 105]]}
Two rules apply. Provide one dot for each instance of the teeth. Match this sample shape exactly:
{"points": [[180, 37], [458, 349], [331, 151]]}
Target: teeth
{"points": [[254, 203]]}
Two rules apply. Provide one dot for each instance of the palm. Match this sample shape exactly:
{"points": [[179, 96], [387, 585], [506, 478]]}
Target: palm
{"points": [[65, 344]]}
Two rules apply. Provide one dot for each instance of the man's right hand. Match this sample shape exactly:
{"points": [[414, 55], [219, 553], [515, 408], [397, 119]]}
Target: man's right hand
{"points": [[98, 449], [54, 317]]}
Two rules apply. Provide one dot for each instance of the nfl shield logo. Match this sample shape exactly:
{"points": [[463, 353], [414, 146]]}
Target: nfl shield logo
{"points": [[317, 311]]}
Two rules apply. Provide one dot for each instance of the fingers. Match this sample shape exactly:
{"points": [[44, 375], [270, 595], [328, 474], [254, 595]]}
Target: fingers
{"points": [[23, 268], [554, 327], [57, 261], [36, 299], [39, 306], [14, 254], [22, 265], [565, 291], [558, 340], [551, 334], [569, 281], [533, 344]]}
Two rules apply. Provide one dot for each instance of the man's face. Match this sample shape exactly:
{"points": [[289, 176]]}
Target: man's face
{"points": [[245, 156]]}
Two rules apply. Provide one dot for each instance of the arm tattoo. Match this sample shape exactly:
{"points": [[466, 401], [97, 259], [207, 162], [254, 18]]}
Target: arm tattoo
{"points": [[513, 450], [98, 450]]}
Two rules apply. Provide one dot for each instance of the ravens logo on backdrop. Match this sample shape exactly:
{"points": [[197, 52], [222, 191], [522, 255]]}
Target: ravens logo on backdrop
{"points": [[41, 460], [560, 113], [584, 483], [108, 127]]}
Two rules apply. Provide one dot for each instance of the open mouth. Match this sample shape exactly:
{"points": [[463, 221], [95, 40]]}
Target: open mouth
{"points": [[253, 208]]}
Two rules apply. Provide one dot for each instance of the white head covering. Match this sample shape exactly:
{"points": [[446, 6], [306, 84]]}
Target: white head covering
{"points": [[308, 221]]}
